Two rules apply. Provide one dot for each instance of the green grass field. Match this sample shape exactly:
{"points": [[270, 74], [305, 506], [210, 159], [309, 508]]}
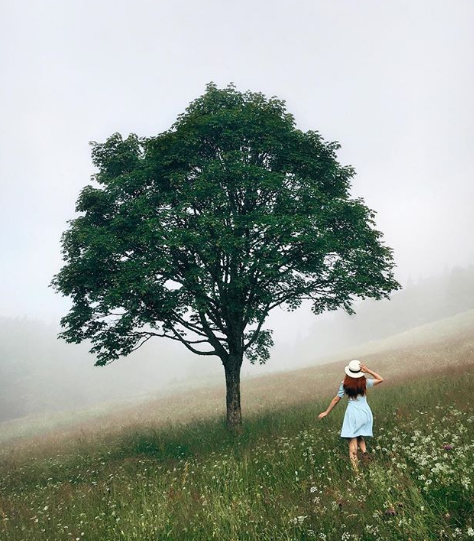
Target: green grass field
{"points": [[175, 473]]}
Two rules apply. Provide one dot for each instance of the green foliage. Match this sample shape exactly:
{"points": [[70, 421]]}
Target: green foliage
{"points": [[197, 233]]}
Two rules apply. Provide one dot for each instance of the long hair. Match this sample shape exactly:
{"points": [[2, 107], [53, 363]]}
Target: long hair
{"points": [[354, 386]]}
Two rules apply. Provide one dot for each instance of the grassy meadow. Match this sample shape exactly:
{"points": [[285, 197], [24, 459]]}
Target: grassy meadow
{"points": [[168, 469]]}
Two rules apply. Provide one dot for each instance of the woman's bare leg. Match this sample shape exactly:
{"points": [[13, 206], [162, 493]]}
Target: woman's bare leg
{"points": [[353, 453], [361, 442]]}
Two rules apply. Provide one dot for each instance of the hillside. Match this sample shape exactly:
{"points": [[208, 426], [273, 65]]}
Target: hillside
{"points": [[167, 469], [43, 376], [426, 349]]}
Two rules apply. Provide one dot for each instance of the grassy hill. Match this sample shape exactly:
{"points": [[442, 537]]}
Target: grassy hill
{"points": [[167, 469], [429, 347]]}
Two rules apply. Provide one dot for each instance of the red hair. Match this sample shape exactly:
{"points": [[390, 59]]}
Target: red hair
{"points": [[354, 386]]}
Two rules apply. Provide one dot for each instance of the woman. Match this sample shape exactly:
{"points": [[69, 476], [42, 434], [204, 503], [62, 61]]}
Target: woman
{"points": [[358, 419]]}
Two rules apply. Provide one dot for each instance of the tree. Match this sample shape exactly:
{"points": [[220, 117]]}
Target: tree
{"points": [[198, 233]]}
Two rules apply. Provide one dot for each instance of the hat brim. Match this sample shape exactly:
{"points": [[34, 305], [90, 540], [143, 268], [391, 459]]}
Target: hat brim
{"points": [[353, 374]]}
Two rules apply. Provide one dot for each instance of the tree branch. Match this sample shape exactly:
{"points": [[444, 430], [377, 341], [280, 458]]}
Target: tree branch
{"points": [[186, 343], [257, 330]]}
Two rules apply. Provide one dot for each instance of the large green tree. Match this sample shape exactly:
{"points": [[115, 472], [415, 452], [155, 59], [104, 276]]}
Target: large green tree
{"points": [[198, 233]]}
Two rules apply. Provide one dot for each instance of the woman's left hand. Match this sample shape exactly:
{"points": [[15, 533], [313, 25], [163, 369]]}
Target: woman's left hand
{"points": [[323, 414]]}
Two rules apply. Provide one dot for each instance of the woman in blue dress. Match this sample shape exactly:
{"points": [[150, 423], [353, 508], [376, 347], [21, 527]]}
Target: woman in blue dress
{"points": [[358, 419]]}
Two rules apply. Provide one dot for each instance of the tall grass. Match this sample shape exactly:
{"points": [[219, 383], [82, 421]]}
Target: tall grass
{"points": [[287, 477]]}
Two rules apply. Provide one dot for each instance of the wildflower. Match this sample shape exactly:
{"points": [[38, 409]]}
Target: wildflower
{"points": [[299, 519], [448, 447], [470, 532], [390, 512]]}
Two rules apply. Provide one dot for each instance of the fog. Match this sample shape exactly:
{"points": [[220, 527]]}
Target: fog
{"points": [[391, 81]]}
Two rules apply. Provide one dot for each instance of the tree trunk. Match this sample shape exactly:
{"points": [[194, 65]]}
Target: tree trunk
{"points": [[232, 380]]}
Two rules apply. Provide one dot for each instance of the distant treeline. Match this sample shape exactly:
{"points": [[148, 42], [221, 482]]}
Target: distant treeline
{"points": [[40, 374], [428, 300]]}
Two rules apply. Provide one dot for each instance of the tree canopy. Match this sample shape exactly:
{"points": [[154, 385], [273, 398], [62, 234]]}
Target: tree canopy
{"points": [[196, 234]]}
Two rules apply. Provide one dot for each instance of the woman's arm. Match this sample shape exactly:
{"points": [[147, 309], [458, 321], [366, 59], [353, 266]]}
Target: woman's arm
{"points": [[333, 403], [378, 379]]}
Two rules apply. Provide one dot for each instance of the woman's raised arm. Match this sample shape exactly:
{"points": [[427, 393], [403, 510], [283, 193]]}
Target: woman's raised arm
{"points": [[377, 377]]}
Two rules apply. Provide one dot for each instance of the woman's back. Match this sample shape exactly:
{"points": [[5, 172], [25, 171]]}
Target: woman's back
{"points": [[359, 398]]}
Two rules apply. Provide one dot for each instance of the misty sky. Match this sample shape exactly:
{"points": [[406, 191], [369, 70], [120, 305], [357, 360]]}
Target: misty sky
{"points": [[391, 80]]}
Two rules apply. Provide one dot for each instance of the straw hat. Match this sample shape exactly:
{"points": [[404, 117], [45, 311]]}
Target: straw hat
{"points": [[353, 369]]}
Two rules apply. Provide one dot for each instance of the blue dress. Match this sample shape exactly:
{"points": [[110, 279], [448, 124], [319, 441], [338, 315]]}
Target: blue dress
{"points": [[358, 419]]}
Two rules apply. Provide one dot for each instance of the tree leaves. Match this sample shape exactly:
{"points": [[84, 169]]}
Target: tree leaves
{"points": [[197, 233]]}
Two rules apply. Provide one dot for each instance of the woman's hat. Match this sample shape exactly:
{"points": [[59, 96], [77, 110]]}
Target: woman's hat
{"points": [[353, 369]]}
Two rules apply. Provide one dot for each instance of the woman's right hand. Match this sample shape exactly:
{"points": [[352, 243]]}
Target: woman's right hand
{"points": [[323, 414], [364, 368]]}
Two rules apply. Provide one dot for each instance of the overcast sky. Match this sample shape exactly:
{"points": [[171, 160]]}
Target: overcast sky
{"points": [[391, 80]]}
